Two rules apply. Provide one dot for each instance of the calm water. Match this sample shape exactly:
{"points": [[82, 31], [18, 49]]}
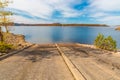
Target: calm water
{"points": [[85, 35]]}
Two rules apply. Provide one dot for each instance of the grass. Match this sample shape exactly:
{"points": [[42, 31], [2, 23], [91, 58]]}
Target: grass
{"points": [[4, 48]]}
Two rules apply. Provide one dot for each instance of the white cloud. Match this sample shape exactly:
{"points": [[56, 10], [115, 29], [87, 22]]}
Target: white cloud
{"points": [[114, 20], [35, 7], [45, 8], [105, 5], [110, 18], [97, 9], [103, 11], [21, 19], [99, 14]]}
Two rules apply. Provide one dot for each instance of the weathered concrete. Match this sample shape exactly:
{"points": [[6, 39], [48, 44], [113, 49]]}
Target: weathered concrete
{"points": [[76, 73], [89, 65], [35, 63], [43, 62]]}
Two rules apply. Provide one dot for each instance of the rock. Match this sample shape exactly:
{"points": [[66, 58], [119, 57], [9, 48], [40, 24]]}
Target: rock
{"points": [[15, 39]]}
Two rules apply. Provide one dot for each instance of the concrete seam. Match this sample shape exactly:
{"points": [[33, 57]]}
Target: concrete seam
{"points": [[76, 74]]}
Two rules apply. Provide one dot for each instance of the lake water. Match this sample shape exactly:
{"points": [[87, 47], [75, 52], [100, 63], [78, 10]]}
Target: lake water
{"points": [[84, 35]]}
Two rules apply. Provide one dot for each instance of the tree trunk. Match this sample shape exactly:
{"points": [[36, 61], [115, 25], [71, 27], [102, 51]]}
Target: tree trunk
{"points": [[1, 35], [6, 28], [5, 24]]}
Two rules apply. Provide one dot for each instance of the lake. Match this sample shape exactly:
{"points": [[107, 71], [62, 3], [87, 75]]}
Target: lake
{"points": [[84, 35]]}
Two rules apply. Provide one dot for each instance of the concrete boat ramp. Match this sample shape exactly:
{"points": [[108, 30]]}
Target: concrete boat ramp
{"points": [[60, 62]]}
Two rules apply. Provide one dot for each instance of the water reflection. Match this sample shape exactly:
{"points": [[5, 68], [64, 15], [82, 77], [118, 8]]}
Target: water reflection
{"points": [[65, 34], [57, 34]]}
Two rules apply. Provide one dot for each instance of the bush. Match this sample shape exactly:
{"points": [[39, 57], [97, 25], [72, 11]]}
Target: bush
{"points": [[106, 43], [5, 47]]}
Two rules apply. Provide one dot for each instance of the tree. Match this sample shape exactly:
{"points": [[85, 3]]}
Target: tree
{"points": [[1, 35], [99, 40], [4, 15], [105, 43]]}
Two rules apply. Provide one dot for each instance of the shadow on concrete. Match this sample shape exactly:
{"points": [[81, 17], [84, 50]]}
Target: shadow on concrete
{"points": [[39, 53], [80, 51]]}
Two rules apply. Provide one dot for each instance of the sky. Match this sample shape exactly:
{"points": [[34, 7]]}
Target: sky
{"points": [[66, 11]]}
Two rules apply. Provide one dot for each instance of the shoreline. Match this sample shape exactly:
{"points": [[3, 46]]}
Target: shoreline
{"points": [[19, 41], [118, 28], [62, 25]]}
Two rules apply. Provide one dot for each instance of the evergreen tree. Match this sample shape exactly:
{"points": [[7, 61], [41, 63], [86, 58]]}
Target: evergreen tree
{"points": [[105, 43], [99, 40]]}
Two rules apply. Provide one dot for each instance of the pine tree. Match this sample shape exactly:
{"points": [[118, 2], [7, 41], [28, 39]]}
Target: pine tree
{"points": [[105, 43], [99, 40]]}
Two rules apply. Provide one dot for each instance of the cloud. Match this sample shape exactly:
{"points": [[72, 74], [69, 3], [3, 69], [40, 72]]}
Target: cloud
{"points": [[56, 10], [22, 19], [45, 8], [35, 7], [99, 14], [23, 14], [65, 7], [105, 5], [104, 11], [110, 20]]}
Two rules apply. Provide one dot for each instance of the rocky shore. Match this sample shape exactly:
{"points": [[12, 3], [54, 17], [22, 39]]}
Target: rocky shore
{"points": [[17, 40]]}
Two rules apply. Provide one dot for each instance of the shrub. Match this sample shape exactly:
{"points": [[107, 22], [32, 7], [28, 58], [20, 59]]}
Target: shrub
{"points": [[106, 43], [5, 47]]}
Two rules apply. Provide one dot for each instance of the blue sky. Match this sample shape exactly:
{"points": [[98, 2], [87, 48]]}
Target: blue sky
{"points": [[66, 11]]}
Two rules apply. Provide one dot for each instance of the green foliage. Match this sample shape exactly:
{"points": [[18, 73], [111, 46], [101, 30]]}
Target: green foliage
{"points": [[5, 47], [106, 43], [5, 19]]}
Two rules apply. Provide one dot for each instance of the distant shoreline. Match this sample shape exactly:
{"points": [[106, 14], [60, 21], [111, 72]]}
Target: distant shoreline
{"points": [[56, 24], [118, 28]]}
